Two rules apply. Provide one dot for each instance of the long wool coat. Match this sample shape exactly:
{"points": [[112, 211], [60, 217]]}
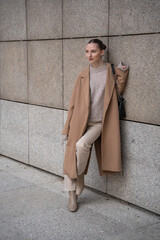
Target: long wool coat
{"points": [[108, 145]]}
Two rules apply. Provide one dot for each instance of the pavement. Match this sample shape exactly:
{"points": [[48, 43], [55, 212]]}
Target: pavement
{"points": [[33, 206]]}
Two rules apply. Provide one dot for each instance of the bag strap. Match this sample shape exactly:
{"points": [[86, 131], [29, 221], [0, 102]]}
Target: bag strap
{"points": [[114, 76], [113, 70]]}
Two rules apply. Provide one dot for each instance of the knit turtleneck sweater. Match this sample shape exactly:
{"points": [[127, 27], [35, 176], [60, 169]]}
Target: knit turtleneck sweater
{"points": [[97, 88]]}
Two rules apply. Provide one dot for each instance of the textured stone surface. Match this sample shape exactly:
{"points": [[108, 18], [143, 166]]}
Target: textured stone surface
{"points": [[40, 212], [14, 130], [12, 20], [45, 147], [85, 18], [45, 73], [74, 62], [13, 71], [44, 19], [140, 183], [34, 175], [146, 232], [11, 182], [143, 87], [127, 16]]}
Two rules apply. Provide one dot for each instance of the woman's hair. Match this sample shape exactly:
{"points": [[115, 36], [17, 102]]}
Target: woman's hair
{"points": [[101, 45]]}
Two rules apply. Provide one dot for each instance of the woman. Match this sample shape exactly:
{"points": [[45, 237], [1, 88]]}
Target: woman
{"points": [[92, 118]]}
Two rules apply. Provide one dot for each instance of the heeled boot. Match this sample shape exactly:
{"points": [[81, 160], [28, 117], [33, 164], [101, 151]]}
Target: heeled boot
{"points": [[72, 201], [80, 184]]}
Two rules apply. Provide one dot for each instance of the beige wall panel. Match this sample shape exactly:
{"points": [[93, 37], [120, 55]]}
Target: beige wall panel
{"points": [[44, 19], [143, 87], [84, 18], [12, 20], [13, 71], [140, 183], [14, 130], [128, 16], [74, 62], [45, 73]]}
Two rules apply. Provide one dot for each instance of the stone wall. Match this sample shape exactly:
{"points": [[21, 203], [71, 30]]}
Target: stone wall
{"points": [[42, 49]]}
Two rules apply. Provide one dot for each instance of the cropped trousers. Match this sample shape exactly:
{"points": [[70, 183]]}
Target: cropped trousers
{"points": [[83, 147]]}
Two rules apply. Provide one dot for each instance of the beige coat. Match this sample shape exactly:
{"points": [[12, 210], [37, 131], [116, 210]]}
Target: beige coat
{"points": [[108, 145]]}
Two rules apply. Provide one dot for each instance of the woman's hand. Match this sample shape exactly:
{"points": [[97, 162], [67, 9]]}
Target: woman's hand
{"points": [[122, 66], [64, 138], [122, 71]]}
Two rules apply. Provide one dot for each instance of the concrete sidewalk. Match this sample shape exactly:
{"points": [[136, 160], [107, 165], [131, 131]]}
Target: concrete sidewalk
{"points": [[33, 206]]}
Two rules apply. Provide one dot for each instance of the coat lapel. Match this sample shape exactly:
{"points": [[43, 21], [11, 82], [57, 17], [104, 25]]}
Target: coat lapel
{"points": [[108, 89], [86, 86]]}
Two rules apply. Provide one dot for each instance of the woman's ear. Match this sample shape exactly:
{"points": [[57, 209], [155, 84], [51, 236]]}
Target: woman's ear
{"points": [[102, 52]]}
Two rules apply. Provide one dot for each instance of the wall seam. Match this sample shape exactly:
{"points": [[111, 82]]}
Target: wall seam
{"points": [[95, 36], [108, 28], [108, 61], [62, 71], [27, 74], [62, 81]]}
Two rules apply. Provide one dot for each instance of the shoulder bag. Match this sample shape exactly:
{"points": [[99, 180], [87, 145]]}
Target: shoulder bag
{"points": [[121, 107]]}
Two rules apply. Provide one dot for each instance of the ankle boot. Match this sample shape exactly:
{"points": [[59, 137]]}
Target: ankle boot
{"points": [[80, 184], [72, 201]]}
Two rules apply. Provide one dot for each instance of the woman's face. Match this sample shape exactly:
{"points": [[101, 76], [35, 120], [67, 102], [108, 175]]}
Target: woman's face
{"points": [[93, 52]]}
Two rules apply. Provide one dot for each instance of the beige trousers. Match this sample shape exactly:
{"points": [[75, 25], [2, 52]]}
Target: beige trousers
{"points": [[83, 146]]}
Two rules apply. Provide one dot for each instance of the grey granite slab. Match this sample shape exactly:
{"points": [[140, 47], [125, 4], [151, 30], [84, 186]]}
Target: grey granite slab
{"points": [[45, 73], [44, 19], [128, 17], [85, 18], [13, 71], [45, 146], [12, 20], [142, 55], [14, 130], [140, 181]]}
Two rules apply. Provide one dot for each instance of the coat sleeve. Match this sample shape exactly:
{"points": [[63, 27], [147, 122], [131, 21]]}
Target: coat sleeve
{"points": [[70, 108], [121, 78]]}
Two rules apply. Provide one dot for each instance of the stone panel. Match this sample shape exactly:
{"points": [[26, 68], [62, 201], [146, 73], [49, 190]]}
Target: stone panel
{"points": [[14, 130], [74, 62], [143, 88], [128, 17], [45, 147], [44, 19], [92, 179], [45, 73], [12, 20], [84, 18], [13, 71], [140, 181]]}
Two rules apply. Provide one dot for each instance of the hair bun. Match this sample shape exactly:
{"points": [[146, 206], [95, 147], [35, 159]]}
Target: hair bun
{"points": [[104, 46], [101, 45]]}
